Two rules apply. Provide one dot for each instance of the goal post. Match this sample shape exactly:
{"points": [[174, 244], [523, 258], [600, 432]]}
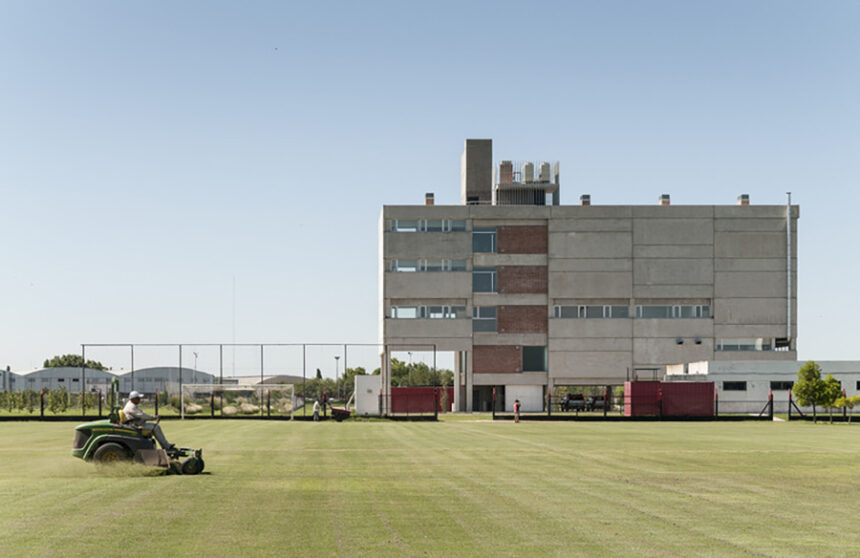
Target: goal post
{"points": [[238, 400]]}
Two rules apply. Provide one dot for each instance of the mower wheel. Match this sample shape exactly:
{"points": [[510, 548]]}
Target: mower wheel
{"points": [[192, 466], [111, 453]]}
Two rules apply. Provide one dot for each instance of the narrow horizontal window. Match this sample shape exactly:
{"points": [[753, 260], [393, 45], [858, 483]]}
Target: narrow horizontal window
{"points": [[781, 386], [427, 225], [591, 311], [734, 386], [741, 345]]}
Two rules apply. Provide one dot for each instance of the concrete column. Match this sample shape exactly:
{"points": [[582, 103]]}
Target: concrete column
{"points": [[469, 380]]}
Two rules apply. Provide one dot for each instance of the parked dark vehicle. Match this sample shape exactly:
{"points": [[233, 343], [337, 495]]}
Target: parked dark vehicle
{"points": [[573, 402], [595, 403]]}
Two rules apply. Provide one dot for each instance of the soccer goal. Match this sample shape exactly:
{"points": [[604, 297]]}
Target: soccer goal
{"points": [[237, 400]]}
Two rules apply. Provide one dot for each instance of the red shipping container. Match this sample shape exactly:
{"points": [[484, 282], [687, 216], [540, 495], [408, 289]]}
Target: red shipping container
{"points": [[688, 399], [641, 399], [419, 399]]}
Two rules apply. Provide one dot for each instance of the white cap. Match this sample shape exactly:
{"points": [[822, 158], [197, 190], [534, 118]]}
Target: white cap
{"points": [[135, 395]]}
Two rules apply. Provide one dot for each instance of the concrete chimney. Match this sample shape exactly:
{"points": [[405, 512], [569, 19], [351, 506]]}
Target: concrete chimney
{"points": [[744, 199], [585, 199], [665, 199], [428, 199]]}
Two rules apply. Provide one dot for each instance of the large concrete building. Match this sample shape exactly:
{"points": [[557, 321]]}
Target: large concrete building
{"points": [[529, 294]]}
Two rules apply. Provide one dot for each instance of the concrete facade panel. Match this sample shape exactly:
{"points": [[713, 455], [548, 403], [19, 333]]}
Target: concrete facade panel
{"points": [[416, 245], [697, 251], [753, 212], [673, 211], [522, 239], [673, 272], [522, 319], [744, 331], [492, 260], [750, 245], [749, 284], [702, 327], [658, 352], [522, 279], [673, 292], [749, 311], [591, 225], [753, 355], [489, 299], [523, 339], [425, 329], [753, 264], [590, 285], [497, 359], [592, 212], [576, 366], [594, 344], [750, 225], [590, 245], [673, 232], [587, 329], [505, 212], [428, 285], [593, 264]]}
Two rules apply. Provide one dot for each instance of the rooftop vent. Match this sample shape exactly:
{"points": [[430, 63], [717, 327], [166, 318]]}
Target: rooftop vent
{"points": [[744, 199], [585, 199], [665, 199], [428, 199]]}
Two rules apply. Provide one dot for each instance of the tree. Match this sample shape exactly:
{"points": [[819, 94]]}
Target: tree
{"points": [[847, 403], [73, 361], [810, 389], [319, 374], [831, 392]]}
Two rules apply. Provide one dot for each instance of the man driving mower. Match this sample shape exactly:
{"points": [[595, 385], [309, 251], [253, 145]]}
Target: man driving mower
{"points": [[134, 416]]}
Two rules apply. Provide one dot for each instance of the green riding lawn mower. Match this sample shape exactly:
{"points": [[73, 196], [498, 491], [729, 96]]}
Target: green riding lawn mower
{"points": [[110, 441]]}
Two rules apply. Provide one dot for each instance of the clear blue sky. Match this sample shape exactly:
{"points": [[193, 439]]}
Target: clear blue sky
{"points": [[151, 152]]}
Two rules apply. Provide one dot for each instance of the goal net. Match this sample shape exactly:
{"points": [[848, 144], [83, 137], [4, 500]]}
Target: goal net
{"points": [[237, 400]]}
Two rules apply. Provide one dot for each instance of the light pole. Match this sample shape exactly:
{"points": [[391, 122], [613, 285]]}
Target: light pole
{"points": [[336, 374], [410, 357], [195, 361]]}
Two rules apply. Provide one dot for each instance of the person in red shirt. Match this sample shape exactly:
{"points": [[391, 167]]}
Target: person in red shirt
{"points": [[517, 410]]}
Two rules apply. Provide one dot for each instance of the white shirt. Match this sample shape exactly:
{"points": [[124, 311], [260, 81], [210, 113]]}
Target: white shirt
{"points": [[134, 414], [316, 406]]}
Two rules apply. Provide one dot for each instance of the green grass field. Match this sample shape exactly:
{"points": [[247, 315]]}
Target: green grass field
{"points": [[453, 488]]}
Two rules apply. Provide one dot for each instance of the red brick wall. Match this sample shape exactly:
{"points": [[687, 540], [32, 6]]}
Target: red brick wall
{"points": [[522, 319], [497, 358], [522, 279], [522, 239]]}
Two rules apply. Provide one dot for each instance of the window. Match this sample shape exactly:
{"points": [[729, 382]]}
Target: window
{"points": [[484, 239], [428, 225], [427, 265], [858, 385], [484, 280], [428, 312], [404, 312], [58, 379], [758, 344], [781, 386], [677, 311], [734, 386], [534, 359], [484, 319], [586, 311]]}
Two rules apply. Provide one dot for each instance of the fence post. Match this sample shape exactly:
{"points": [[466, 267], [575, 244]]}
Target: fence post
{"points": [[716, 401], [269, 404], [770, 404], [42, 402], [789, 405], [494, 403], [844, 409], [325, 403], [156, 400], [100, 403], [605, 401], [212, 403], [436, 403], [548, 401]]}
